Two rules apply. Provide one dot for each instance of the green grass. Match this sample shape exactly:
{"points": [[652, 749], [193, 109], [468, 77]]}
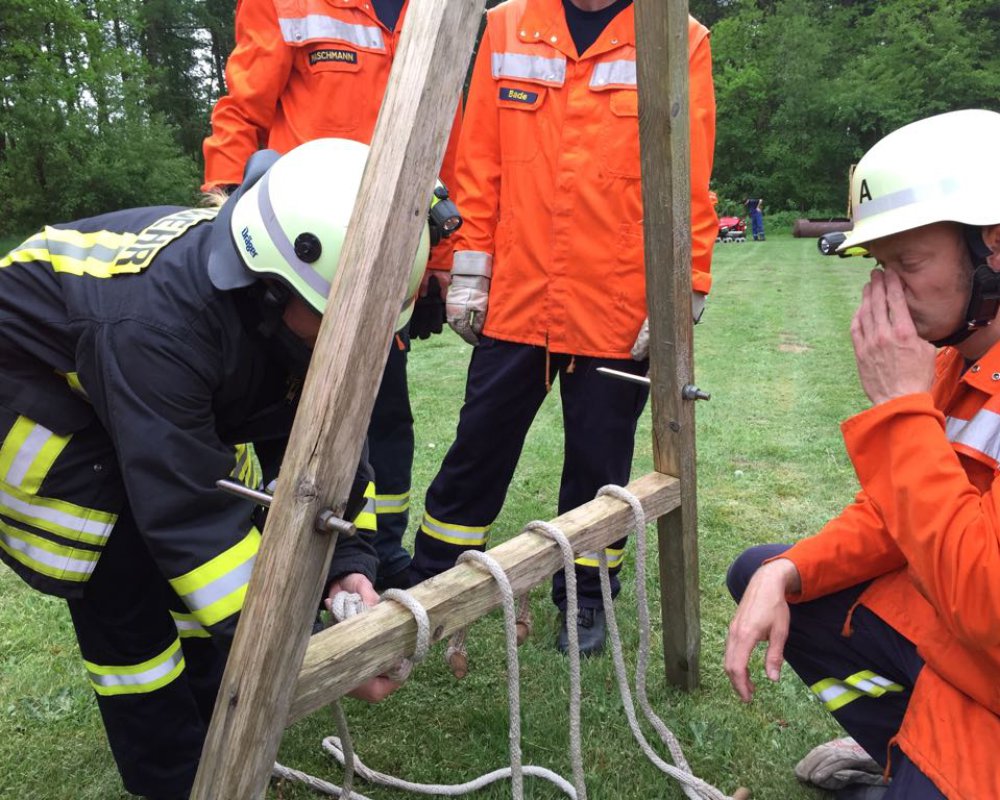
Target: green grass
{"points": [[775, 354]]}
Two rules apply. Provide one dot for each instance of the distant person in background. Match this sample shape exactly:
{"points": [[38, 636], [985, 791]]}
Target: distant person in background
{"points": [[307, 69], [755, 210]]}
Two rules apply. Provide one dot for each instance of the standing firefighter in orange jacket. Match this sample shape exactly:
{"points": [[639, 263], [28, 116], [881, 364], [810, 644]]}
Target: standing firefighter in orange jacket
{"points": [[548, 277], [894, 619], [304, 69]]}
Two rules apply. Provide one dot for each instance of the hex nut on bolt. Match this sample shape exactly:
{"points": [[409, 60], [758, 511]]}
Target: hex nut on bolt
{"points": [[328, 522]]}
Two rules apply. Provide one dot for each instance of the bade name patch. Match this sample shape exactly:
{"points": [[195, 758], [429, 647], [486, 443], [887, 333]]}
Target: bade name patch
{"points": [[518, 95]]}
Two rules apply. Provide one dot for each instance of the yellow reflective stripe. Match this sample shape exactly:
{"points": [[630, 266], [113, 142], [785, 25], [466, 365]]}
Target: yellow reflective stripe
{"points": [[73, 379], [45, 557], [392, 503], [614, 555], [28, 452], [58, 517], [247, 470], [143, 678], [188, 627], [465, 535], [216, 589], [366, 519], [77, 253], [835, 693]]}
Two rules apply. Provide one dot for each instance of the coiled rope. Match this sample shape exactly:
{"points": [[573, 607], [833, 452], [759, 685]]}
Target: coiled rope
{"points": [[340, 747]]}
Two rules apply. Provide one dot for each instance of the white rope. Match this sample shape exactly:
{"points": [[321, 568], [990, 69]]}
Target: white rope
{"points": [[693, 787]]}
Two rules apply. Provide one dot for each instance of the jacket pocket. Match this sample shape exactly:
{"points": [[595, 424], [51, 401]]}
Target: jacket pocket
{"points": [[517, 109], [620, 140]]}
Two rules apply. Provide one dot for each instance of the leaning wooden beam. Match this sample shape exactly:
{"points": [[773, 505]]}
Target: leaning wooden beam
{"points": [[369, 644], [662, 73], [340, 389]]}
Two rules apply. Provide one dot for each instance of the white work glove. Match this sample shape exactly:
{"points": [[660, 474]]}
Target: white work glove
{"points": [[839, 763], [469, 294], [640, 350]]}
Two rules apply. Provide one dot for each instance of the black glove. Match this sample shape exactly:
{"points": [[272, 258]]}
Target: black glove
{"points": [[428, 312]]}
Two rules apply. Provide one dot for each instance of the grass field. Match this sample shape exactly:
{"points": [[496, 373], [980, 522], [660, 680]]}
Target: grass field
{"points": [[774, 352]]}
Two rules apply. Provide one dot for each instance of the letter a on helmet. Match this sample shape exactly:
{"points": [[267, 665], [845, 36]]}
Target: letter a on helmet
{"points": [[940, 169], [288, 219]]}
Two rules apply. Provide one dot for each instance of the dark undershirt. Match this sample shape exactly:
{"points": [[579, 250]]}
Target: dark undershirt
{"points": [[586, 26], [388, 12]]}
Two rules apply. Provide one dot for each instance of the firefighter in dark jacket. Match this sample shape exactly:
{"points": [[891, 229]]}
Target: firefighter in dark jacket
{"points": [[145, 354]]}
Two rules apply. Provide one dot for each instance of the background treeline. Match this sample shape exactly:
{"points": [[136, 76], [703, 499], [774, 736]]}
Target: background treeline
{"points": [[104, 103]]}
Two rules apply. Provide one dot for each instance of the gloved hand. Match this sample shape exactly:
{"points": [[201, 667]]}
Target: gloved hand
{"points": [[640, 350], [469, 293], [428, 311], [836, 764]]}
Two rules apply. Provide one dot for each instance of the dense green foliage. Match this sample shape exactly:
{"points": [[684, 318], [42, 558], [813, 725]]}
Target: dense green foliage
{"points": [[105, 103]]}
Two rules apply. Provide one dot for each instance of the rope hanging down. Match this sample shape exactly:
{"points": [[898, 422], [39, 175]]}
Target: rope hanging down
{"points": [[693, 787]]}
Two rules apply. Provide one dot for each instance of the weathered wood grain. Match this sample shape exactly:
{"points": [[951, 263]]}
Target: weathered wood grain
{"points": [[662, 72], [326, 440]]}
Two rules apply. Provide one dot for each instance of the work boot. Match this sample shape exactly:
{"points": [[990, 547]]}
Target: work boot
{"points": [[591, 628], [397, 580]]}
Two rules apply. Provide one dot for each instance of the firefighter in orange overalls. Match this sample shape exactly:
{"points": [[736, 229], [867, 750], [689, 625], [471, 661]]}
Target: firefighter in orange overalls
{"points": [[305, 69], [891, 613], [548, 275]]}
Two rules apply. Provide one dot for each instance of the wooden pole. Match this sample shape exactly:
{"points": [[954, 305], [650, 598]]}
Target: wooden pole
{"points": [[662, 72], [371, 643], [327, 436]]}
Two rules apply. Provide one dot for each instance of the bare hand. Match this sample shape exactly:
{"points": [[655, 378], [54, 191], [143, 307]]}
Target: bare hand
{"points": [[762, 616], [375, 689], [892, 358]]}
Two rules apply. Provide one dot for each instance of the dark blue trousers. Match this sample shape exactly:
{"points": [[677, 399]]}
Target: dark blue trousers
{"points": [[757, 224], [505, 388], [822, 657], [390, 452]]}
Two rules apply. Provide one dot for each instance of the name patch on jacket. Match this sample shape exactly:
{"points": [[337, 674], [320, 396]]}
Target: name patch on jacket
{"points": [[327, 55], [137, 256], [518, 96]]}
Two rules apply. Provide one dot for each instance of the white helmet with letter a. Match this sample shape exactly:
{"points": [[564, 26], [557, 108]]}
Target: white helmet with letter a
{"points": [[288, 220], [940, 169]]}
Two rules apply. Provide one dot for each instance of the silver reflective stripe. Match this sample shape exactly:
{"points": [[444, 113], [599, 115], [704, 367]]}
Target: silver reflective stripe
{"points": [[223, 586], [56, 562], [981, 433], [472, 262], [473, 537], [89, 526], [148, 676], [930, 192], [316, 281], [27, 453], [188, 626], [392, 504], [369, 507], [98, 252], [613, 73], [529, 68], [320, 26], [833, 692]]}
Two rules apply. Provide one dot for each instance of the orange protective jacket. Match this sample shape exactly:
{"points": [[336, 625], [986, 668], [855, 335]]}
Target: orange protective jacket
{"points": [[926, 528], [548, 179], [301, 70]]}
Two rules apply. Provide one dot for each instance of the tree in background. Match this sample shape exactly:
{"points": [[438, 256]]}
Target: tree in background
{"points": [[104, 103], [804, 87]]}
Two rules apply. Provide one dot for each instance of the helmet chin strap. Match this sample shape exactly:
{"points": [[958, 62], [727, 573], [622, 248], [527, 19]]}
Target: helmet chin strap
{"points": [[985, 299]]}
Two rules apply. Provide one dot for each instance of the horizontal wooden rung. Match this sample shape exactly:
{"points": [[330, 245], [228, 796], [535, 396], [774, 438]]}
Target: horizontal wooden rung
{"points": [[367, 645]]}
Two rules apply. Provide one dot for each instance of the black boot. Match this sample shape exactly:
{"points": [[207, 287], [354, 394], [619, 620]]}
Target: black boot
{"points": [[591, 627]]}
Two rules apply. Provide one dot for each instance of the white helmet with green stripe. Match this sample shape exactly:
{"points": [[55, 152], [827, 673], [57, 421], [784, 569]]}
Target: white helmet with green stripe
{"points": [[289, 218], [940, 169]]}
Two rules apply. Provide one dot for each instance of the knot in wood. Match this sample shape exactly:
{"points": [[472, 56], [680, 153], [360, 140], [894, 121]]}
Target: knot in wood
{"points": [[306, 491]]}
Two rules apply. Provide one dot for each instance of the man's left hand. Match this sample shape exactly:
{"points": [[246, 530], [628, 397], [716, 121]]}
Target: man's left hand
{"points": [[893, 360], [380, 687]]}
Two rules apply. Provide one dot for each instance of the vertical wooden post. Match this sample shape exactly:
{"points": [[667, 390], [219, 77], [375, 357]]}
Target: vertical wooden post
{"points": [[326, 440], [662, 73]]}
